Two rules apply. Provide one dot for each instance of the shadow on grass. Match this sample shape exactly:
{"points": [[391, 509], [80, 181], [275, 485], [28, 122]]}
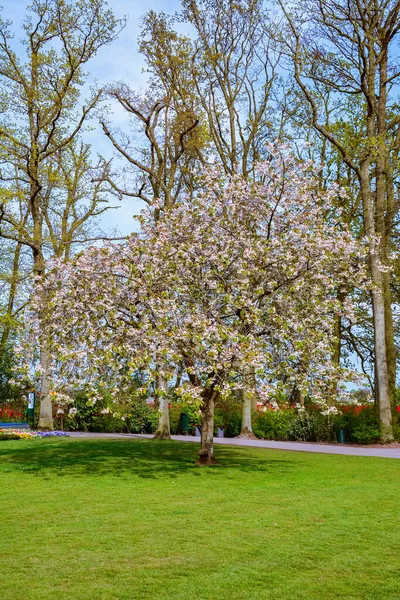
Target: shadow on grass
{"points": [[143, 458]]}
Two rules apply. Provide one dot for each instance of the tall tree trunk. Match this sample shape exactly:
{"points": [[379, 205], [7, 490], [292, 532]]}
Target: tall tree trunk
{"points": [[39, 267], [163, 430], [206, 454], [248, 400], [391, 351], [11, 301], [46, 412], [46, 409], [246, 430], [336, 354], [383, 223], [253, 383], [378, 306], [385, 413]]}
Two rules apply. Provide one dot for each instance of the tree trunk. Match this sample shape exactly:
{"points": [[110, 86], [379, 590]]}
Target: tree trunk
{"points": [[378, 306], [336, 354], [11, 300], [385, 413], [297, 395], [163, 430], [46, 409], [246, 430], [253, 384], [206, 454], [391, 352], [391, 211]]}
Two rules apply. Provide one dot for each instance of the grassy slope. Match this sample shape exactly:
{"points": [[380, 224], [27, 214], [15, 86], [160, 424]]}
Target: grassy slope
{"points": [[126, 520]]}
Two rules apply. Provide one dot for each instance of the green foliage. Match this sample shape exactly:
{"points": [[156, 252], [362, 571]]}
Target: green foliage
{"points": [[174, 418], [273, 424], [228, 415], [175, 410], [396, 420], [232, 429], [134, 416], [142, 418], [85, 415], [360, 423], [9, 394], [310, 426], [365, 434], [107, 424], [396, 431]]}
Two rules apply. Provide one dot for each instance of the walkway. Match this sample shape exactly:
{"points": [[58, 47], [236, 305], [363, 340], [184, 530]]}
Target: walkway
{"points": [[383, 452]]}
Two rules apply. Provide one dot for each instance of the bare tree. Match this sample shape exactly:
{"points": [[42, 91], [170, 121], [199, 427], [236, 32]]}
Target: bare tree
{"points": [[160, 165], [234, 69]]}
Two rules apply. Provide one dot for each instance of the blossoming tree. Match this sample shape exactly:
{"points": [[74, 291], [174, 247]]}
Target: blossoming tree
{"points": [[241, 278]]}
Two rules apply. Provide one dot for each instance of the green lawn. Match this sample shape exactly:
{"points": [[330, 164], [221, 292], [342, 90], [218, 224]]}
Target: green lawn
{"points": [[135, 519]]}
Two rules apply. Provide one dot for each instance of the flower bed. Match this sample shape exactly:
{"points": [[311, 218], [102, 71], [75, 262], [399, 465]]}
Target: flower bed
{"points": [[46, 434], [23, 434]]}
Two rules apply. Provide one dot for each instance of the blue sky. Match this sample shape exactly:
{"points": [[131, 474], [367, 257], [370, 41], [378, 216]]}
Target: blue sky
{"points": [[119, 61]]}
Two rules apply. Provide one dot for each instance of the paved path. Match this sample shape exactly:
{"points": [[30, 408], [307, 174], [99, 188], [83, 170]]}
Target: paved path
{"points": [[384, 452]]}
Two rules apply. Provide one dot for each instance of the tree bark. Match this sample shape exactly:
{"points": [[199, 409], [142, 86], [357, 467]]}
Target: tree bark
{"points": [[378, 306], [385, 414], [11, 301], [384, 215], [297, 395], [46, 409], [391, 351], [206, 454], [246, 430], [163, 430], [336, 354]]}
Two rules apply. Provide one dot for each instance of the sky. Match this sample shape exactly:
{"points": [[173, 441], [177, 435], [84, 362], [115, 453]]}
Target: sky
{"points": [[118, 61]]}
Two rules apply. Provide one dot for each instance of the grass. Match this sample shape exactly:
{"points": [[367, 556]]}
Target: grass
{"points": [[135, 519]]}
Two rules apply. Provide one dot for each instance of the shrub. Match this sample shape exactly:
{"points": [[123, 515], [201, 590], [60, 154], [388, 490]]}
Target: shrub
{"points": [[10, 395], [85, 414], [105, 417], [360, 423], [174, 418], [396, 432], [228, 415], [142, 418], [273, 424], [230, 421], [365, 434], [310, 426], [176, 409], [107, 424], [396, 420]]}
